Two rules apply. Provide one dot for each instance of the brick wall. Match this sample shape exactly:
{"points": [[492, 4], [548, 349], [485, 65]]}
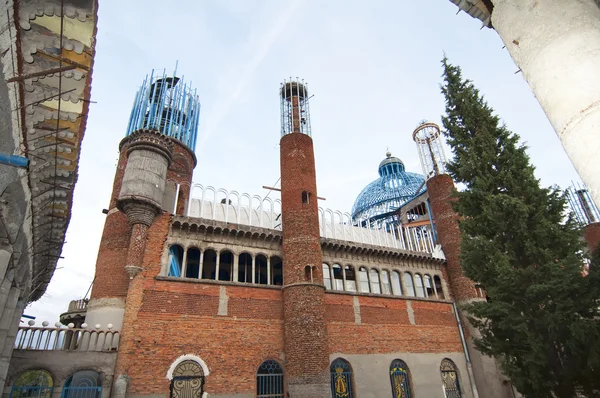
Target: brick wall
{"points": [[385, 326]]}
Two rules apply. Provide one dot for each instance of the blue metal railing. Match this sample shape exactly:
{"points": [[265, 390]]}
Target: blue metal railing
{"points": [[82, 392], [269, 386], [30, 391], [169, 105]]}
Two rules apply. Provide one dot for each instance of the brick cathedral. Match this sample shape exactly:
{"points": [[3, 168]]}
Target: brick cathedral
{"points": [[210, 293]]}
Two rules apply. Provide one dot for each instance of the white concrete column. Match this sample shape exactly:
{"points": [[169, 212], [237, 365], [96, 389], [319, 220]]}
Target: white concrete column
{"points": [[236, 267], [253, 268], [556, 44], [218, 261], [184, 263], [201, 264], [268, 270]]}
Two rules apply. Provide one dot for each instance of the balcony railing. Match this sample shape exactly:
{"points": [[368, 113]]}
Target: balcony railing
{"points": [[66, 339], [77, 305]]}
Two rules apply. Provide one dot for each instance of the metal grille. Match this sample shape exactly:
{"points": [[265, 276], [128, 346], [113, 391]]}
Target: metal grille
{"points": [[187, 386], [399, 379], [450, 379], [341, 379], [269, 380], [82, 392], [83, 384], [33, 384]]}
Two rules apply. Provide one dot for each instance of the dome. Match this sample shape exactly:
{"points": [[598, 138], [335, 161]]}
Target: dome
{"points": [[392, 189]]}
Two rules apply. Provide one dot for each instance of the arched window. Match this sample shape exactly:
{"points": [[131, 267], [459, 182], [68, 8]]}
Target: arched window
{"points": [[209, 264], [438, 287], [260, 270], [341, 379], [428, 286], [363, 277], [192, 263], [83, 383], [396, 285], [175, 260], [419, 286], [350, 278], [338, 277], [375, 286], [225, 265], [276, 271], [408, 282], [450, 381], [269, 380], [188, 380], [385, 282], [33, 384], [245, 268], [400, 379], [326, 276]]}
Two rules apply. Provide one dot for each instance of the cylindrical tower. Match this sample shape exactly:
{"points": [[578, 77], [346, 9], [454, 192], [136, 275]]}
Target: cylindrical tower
{"points": [[305, 339], [158, 148], [586, 214], [440, 188], [483, 370]]}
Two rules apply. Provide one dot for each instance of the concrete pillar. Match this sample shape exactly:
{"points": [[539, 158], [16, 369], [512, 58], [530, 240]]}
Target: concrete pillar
{"points": [[236, 267], [201, 269], [184, 263], [556, 44]]}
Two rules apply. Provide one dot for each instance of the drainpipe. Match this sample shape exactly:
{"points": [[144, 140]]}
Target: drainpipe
{"points": [[467, 356], [13, 160]]}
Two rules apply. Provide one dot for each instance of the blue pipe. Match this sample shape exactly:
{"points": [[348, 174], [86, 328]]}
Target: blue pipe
{"points": [[13, 160]]}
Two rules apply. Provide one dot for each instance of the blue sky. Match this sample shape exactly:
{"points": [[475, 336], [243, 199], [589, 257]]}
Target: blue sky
{"points": [[373, 67]]}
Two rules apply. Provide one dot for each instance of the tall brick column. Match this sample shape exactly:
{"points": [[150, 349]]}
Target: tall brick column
{"points": [[591, 234], [441, 188], [305, 331]]}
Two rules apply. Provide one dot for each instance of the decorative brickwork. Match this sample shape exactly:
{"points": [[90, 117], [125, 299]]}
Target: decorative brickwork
{"points": [[441, 189], [591, 233], [307, 359]]}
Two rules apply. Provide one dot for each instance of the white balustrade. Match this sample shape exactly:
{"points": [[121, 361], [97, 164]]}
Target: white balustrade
{"points": [[253, 210], [66, 339]]}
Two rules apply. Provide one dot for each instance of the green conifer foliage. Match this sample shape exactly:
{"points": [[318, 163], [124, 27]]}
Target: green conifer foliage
{"points": [[541, 321]]}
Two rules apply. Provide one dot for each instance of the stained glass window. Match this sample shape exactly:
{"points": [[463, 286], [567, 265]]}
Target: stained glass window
{"points": [[33, 384], [400, 379], [341, 379]]}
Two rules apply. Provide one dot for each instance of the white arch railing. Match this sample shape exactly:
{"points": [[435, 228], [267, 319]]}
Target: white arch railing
{"points": [[246, 209]]}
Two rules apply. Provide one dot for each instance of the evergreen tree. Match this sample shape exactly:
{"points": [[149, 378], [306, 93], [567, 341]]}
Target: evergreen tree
{"points": [[541, 320]]}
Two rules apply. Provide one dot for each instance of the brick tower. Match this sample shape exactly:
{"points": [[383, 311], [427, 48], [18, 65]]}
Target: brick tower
{"points": [[153, 177], [305, 331], [440, 189]]}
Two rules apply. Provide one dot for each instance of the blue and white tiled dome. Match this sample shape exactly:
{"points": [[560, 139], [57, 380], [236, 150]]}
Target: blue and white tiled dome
{"points": [[392, 189]]}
